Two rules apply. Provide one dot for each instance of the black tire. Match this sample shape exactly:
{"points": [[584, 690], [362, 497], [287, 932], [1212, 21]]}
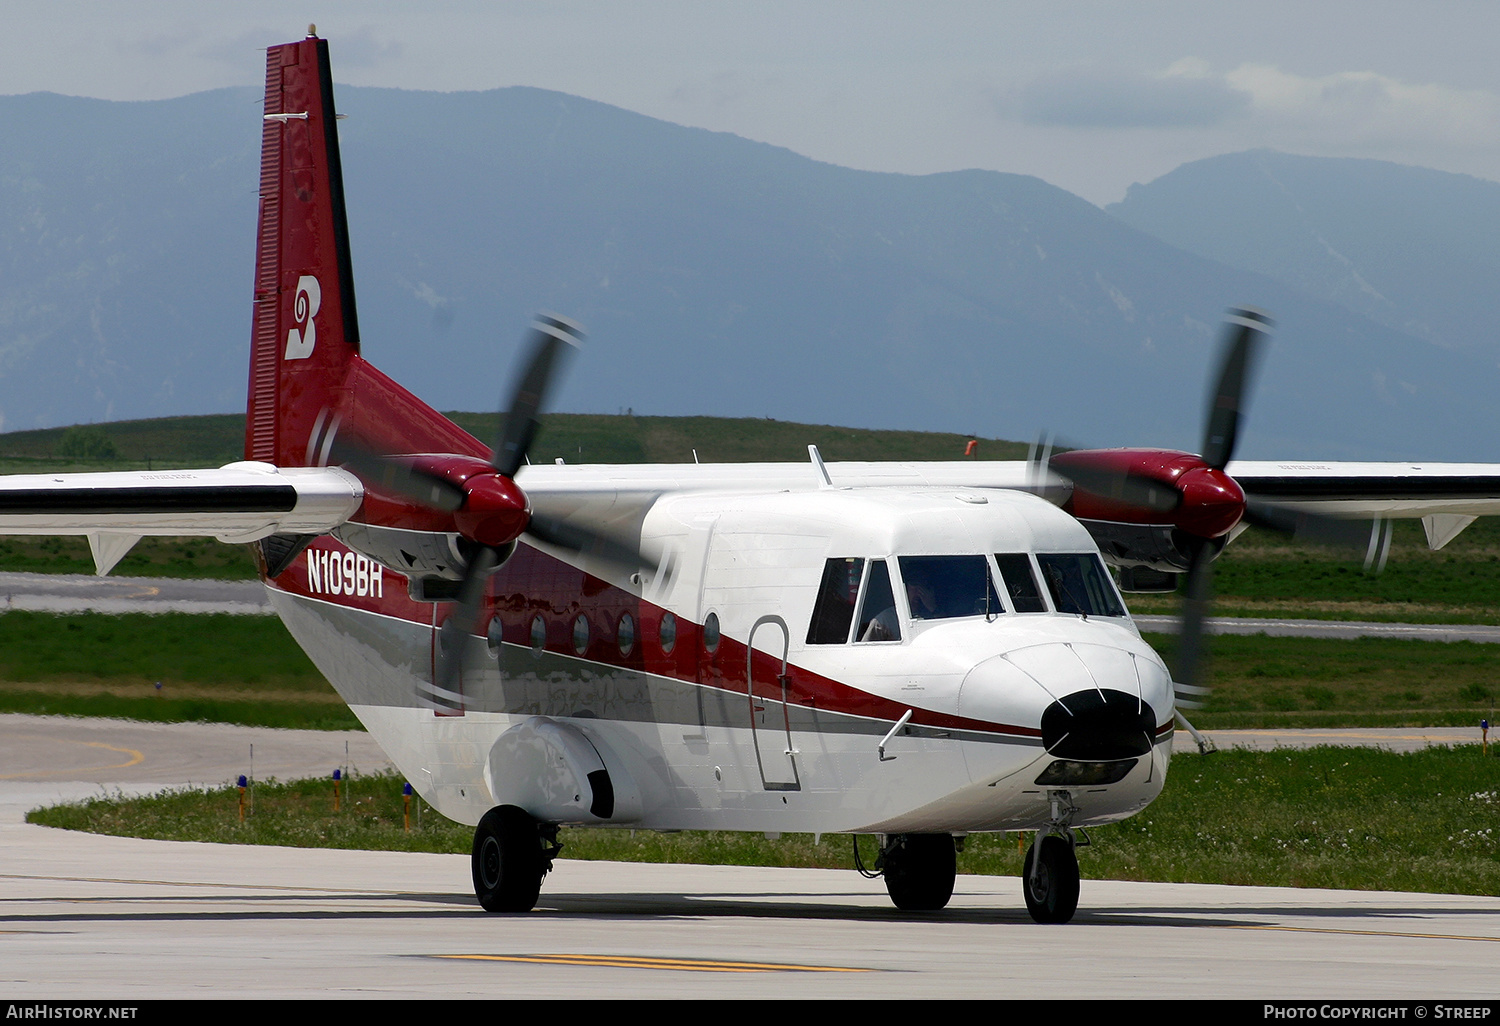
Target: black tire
{"points": [[1054, 896], [508, 862], [919, 871]]}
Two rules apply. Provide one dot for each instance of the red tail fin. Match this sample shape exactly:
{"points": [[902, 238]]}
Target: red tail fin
{"points": [[307, 381]]}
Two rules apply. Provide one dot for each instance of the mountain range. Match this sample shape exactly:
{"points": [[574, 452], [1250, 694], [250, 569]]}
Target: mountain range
{"points": [[717, 275]]}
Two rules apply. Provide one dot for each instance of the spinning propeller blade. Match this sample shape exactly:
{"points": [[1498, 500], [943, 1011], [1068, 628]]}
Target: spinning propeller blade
{"points": [[489, 509], [1245, 332], [552, 340]]}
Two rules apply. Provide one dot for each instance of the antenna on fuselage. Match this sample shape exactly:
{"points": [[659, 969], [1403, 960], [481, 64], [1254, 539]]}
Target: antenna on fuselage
{"points": [[817, 461]]}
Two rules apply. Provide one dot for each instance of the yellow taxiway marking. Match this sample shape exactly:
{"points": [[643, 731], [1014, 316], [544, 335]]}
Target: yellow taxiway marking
{"points": [[1368, 933], [643, 962], [135, 759]]}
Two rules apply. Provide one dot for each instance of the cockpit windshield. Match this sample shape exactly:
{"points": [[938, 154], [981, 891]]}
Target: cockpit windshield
{"points": [[1079, 583], [942, 587]]}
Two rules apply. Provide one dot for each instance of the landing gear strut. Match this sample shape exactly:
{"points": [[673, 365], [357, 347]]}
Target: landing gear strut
{"points": [[919, 870], [512, 852], [1050, 879]]}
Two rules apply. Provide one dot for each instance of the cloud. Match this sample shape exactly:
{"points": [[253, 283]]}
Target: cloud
{"points": [[1364, 107], [1098, 97]]}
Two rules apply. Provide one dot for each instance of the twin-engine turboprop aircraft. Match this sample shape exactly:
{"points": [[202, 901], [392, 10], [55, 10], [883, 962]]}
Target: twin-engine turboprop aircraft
{"points": [[916, 651]]}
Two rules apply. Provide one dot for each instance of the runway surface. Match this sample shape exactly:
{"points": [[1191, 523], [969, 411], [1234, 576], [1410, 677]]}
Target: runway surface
{"points": [[100, 917], [75, 593], [1483, 633]]}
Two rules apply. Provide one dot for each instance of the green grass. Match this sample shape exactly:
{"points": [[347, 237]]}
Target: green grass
{"points": [[167, 667], [212, 441], [576, 437], [1326, 817], [1261, 681], [199, 558], [1262, 574], [247, 669]]}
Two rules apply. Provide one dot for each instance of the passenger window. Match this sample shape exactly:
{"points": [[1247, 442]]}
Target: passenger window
{"points": [[1079, 584], [943, 587], [833, 614], [878, 619], [1020, 582]]}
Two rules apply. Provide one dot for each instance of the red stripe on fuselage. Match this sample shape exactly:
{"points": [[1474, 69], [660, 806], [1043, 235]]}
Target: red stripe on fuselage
{"points": [[533, 583]]}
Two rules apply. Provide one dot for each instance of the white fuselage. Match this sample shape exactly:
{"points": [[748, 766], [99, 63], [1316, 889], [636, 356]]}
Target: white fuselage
{"points": [[701, 692]]}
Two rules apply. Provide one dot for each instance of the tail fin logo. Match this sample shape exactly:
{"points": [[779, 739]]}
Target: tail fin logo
{"points": [[300, 340]]}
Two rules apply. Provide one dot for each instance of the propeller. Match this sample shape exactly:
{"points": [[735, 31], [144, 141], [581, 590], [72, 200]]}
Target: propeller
{"points": [[489, 509], [1245, 332], [1198, 498]]}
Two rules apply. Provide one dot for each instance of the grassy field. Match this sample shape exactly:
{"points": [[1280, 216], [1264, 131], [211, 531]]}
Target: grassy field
{"points": [[1262, 574], [211, 441], [246, 669], [1261, 681], [1326, 817], [201, 558], [170, 667], [1258, 575], [1258, 681], [575, 437]]}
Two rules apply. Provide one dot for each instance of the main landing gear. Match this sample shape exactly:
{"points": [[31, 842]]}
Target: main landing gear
{"points": [[512, 852], [919, 870], [1050, 879]]}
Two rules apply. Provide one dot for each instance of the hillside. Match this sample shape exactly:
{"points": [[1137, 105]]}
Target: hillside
{"points": [[1408, 247], [716, 275], [217, 439]]}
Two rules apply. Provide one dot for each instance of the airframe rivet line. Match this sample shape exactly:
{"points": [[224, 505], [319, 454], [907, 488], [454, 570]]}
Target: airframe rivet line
{"points": [[1364, 933], [644, 962]]}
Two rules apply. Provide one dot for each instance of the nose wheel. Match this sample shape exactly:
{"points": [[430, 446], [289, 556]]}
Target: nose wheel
{"points": [[1051, 879], [512, 852]]}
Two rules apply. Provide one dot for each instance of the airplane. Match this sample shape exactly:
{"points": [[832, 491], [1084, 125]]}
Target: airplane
{"points": [[917, 651]]}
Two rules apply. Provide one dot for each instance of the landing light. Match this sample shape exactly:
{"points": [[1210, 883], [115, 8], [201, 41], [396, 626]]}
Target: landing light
{"points": [[1069, 772]]}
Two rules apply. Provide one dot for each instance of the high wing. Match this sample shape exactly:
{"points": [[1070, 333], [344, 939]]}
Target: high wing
{"points": [[1446, 496], [241, 502]]}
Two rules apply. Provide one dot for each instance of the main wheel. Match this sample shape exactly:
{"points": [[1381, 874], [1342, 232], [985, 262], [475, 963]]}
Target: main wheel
{"points": [[508, 861], [1053, 897], [919, 871]]}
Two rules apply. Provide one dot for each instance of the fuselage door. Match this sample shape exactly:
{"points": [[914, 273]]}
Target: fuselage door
{"points": [[770, 716]]}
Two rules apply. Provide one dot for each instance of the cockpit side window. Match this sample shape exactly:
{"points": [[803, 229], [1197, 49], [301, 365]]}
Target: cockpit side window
{"points": [[833, 613], [1079, 584], [878, 619], [943, 587], [1020, 582]]}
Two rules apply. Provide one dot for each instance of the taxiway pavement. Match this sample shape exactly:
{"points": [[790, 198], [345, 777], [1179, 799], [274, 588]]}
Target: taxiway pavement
{"points": [[85, 916]]}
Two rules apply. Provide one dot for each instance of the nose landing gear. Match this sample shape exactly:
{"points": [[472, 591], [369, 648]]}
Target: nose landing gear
{"points": [[1050, 879]]}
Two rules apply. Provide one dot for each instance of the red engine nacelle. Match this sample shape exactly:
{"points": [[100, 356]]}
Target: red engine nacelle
{"points": [[1209, 504], [1212, 502], [494, 511]]}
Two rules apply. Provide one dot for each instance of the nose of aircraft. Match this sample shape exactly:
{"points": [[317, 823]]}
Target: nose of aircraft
{"points": [[1098, 725], [1093, 701]]}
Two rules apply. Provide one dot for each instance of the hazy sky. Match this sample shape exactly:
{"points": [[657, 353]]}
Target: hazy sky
{"points": [[1091, 96]]}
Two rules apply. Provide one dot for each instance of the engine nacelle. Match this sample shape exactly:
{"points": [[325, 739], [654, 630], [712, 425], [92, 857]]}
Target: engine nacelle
{"points": [[1209, 503]]}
